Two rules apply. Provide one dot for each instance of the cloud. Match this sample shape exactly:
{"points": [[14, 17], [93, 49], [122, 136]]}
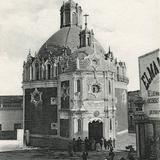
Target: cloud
{"points": [[130, 27], [11, 75]]}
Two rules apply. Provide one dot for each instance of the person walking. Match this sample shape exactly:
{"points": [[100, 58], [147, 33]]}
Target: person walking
{"points": [[110, 143], [79, 144], [93, 143], [101, 141], [98, 147], [111, 154], [130, 155], [85, 155], [86, 141], [74, 145], [105, 144]]}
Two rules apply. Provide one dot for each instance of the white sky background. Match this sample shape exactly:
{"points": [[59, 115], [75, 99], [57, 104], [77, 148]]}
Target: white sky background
{"points": [[130, 27]]}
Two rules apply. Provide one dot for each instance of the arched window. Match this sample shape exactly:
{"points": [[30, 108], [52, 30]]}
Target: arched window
{"points": [[67, 17], [27, 74], [43, 71], [31, 72], [79, 125], [40, 71], [78, 86], [37, 71], [110, 124], [61, 20], [123, 71], [54, 70], [131, 120], [118, 70], [88, 41], [74, 18], [109, 87], [49, 71]]}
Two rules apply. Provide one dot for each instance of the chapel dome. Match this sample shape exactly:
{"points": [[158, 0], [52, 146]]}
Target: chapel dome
{"points": [[67, 37]]}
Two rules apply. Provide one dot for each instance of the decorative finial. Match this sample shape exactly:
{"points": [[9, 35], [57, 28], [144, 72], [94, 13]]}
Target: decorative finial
{"points": [[29, 52], [86, 15], [29, 55], [94, 46], [35, 53], [109, 50]]}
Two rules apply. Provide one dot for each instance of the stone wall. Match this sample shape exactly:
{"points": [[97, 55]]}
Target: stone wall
{"points": [[40, 114], [121, 109]]}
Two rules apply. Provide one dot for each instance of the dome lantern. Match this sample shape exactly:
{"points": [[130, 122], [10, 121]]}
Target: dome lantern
{"points": [[86, 36], [71, 14]]}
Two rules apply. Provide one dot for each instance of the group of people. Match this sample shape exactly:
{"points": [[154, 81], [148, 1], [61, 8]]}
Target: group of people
{"points": [[92, 144], [79, 145], [112, 155]]}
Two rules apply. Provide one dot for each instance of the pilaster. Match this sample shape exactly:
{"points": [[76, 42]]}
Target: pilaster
{"points": [[106, 127]]}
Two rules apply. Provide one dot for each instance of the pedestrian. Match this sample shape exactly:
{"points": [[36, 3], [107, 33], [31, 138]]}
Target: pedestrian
{"points": [[111, 154], [74, 144], [98, 147], [105, 144], [85, 155], [79, 144], [93, 143], [101, 143], [110, 143], [130, 155], [86, 142]]}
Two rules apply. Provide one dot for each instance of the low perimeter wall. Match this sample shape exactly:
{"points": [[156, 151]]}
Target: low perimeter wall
{"points": [[50, 142], [10, 145]]}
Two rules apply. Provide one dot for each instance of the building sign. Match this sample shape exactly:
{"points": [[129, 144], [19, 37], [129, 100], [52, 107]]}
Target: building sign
{"points": [[149, 72]]}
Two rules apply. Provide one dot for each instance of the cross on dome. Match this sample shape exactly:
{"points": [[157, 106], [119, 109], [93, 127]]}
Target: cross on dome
{"points": [[86, 15]]}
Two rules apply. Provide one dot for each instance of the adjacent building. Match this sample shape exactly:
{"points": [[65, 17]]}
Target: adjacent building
{"points": [[148, 120], [72, 87], [133, 98], [11, 116]]}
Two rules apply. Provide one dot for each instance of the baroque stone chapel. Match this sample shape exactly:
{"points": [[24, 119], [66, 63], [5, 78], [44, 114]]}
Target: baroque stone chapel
{"points": [[72, 87]]}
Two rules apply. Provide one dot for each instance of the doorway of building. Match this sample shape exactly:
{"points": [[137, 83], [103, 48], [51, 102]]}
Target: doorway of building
{"points": [[95, 130]]}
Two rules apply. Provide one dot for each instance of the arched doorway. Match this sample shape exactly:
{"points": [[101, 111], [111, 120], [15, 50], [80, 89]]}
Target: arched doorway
{"points": [[95, 129]]}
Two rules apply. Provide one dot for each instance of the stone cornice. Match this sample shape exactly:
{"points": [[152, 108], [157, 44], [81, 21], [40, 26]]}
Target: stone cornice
{"points": [[40, 84]]}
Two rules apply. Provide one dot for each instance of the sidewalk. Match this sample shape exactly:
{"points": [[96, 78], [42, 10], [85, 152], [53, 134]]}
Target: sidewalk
{"points": [[124, 140], [9, 145], [45, 154]]}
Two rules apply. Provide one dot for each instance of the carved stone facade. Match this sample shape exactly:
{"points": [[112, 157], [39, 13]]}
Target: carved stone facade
{"points": [[73, 70]]}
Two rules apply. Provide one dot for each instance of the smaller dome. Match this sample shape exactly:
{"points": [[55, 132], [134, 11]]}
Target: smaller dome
{"points": [[70, 3], [85, 31]]}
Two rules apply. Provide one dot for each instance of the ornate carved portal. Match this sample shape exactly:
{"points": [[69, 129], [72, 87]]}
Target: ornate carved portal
{"points": [[95, 129]]}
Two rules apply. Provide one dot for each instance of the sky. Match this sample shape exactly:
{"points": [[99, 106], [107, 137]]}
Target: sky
{"points": [[130, 27]]}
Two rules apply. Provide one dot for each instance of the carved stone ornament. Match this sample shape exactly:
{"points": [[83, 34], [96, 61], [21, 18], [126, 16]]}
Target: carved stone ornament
{"points": [[36, 97], [94, 88], [95, 62], [96, 113], [53, 100]]}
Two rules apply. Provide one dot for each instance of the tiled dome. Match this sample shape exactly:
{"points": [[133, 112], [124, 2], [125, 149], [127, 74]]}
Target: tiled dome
{"points": [[66, 37]]}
